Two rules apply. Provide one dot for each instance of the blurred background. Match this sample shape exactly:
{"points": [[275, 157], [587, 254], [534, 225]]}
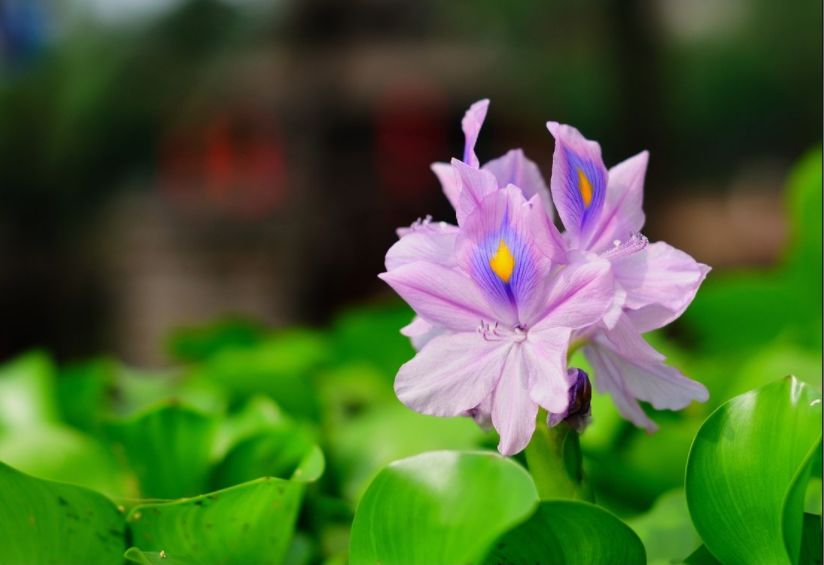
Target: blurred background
{"points": [[166, 162]]}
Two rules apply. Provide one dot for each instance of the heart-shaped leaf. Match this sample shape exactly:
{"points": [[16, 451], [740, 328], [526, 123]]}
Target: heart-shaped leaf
{"points": [[248, 523], [569, 531], [440, 507], [748, 470], [42, 522]]}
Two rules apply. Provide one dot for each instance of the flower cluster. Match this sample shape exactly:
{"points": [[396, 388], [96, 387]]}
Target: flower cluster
{"points": [[500, 296]]}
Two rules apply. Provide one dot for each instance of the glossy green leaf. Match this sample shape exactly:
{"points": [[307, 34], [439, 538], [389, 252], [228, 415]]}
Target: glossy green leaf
{"points": [[701, 556], [140, 557], [666, 530], [248, 523], [43, 523], [748, 470], [168, 448], [440, 507], [567, 531]]}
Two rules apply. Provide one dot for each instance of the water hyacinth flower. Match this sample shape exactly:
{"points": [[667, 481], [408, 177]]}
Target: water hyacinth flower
{"points": [[500, 297]]}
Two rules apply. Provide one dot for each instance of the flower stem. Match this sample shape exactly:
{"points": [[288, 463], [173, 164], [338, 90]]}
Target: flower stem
{"points": [[554, 460]]}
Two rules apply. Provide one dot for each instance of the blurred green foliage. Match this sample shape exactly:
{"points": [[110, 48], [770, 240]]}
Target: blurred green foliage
{"points": [[314, 409]]}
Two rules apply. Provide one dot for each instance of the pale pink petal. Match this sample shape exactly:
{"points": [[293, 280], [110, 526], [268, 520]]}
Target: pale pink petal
{"points": [[450, 183], [420, 332], [471, 125], [442, 296], [630, 369], [546, 355], [452, 374], [433, 242], [513, 411], [515, 168], [579, 296], [659, 277], [475, 185]]}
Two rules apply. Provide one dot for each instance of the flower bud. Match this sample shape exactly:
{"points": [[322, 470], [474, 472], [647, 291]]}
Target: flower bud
{"points": [[577, 414]]}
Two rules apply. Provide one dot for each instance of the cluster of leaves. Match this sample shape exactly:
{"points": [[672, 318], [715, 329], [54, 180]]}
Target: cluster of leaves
{"points": [[290, 448]]}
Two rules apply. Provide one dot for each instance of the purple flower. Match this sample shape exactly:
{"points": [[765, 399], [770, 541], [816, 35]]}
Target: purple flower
{"points": [[577, 413], [498, 313], [499, 297], [602, 213]]}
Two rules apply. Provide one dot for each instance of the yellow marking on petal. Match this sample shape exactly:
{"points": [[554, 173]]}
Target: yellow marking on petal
{"points": [[503, 263], [585, 188]]}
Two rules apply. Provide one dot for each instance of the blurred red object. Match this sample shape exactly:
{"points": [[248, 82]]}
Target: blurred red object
{"points": [[233, 165], [410, 124]]}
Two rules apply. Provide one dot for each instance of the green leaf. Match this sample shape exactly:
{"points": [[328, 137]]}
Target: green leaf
{"points": [[273, 453], [377, 437], [135, 555], [666, 530], [701, 556], [85, 391], [248, 523], [168, 447], [281, 367], [748, 470], [373, 335], [46, 523], [61, 453], [440, 507], [730, 311], [804, 203], [27, 397], [811, 540], [201, 343], [568, 531]]}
